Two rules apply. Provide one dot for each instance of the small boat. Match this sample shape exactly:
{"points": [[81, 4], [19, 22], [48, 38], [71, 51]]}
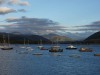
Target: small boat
{"points": [[83, 49], [6, 46], [43, 48], [96, 54], [40, 45], [71, 47], [29, 47], [55, 49], [24, 44]]}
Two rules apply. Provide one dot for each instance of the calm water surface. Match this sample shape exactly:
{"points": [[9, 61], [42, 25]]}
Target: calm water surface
{"points": [[16, 62]]}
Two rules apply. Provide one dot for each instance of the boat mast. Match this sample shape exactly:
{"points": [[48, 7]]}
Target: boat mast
{"points": [[24, 41], [4, 40], [8, 40], [41, 42]]}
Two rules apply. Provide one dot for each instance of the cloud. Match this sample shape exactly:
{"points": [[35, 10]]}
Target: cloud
{"points": [[11, 2], [24, 3], [15, 2], [22, 10], [2, 1], [94, 27], [33, 25], [6, 10]]}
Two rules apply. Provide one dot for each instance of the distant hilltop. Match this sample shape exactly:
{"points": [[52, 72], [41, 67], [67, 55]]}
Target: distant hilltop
{"points": [[19, 38], [56, 37], [94, 38]]}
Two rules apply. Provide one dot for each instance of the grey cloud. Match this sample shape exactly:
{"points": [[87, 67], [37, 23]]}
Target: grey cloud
{"points": [[2, 1], [32, 21], [33, 25], [22, 10], [94, 26], [24, 3]]}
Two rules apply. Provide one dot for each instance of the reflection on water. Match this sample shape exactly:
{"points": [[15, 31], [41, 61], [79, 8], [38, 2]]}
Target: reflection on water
{"points": [[70, 62]]}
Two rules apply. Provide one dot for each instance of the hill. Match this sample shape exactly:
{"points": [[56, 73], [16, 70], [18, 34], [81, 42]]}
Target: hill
{"points": [[56, 37], [19, 38], [94, 38]]}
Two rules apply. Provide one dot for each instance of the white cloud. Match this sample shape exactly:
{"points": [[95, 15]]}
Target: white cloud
{"points": [[15, 2], [6, 10]]}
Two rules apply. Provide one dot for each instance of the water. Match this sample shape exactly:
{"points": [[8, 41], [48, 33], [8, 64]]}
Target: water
{"points": [[15, 62]]}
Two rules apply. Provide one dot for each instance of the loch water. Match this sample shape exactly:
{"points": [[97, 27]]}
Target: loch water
{"points": [[19, 62]]}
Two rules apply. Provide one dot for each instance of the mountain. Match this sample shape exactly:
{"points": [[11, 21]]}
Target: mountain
{"points": [[94, 38], [56, 37], [19, 38], [78, 36]]}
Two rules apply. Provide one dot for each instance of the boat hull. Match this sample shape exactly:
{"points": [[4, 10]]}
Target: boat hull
{"points": [[59, 50], [6, 48], [85, 50], [71, 48], [96, 54]]}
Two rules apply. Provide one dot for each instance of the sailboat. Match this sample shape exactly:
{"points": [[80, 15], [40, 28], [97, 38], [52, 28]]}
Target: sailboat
{"points": [[40, 45], [24, 45], [6, 46], [28, 47], [56, 48]]}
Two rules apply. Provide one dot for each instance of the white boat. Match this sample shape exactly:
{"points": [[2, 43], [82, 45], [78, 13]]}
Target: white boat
{"points": [[28, 47], [24, 45], [6, 46], [40, 45], [71, 47]]}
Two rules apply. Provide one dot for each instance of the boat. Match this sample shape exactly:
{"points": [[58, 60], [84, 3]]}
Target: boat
{"points": [[96, 54], [43, 48], [28, 47], [55, 49], [40, 45], [71, 47], [85, 49], [24, 45], [6, 46]]}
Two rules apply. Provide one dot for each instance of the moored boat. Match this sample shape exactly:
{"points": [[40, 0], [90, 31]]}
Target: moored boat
{"points": [[71, 47], [6, 46], [83, 49], [43, 48], [96, 54], [55, 49]]}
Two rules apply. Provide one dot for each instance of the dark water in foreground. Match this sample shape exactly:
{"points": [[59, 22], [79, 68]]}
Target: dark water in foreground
{"points": [[14, 62]]}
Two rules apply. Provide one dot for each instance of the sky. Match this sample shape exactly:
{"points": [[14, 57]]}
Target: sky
{"points": [[50, 16]]}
